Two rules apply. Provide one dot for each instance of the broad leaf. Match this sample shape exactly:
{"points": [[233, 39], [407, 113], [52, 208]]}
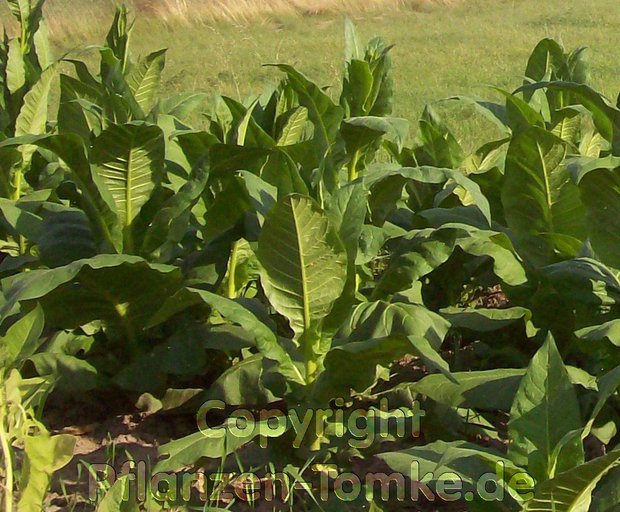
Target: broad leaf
{"points": [[304, 264], [538, 195], [144, 79], [545, 409], [571, 491], [129, 161]]}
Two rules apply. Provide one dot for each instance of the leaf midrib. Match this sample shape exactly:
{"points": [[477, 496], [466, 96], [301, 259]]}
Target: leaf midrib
{"points": [[546, 179], [302, 268], [128, 185]]}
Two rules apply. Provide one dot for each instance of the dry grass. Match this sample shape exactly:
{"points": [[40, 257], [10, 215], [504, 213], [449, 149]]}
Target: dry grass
{"points": [[245, 11], [72, 16]]}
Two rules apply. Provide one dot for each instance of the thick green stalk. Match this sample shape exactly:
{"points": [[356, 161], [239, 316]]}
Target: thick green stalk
{"points": [[232, 268], [315, 431], [130, 334], [17, 194]]}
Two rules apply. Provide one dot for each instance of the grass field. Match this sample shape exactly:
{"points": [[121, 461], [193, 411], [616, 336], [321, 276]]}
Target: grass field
{"points": [[441, 48]]}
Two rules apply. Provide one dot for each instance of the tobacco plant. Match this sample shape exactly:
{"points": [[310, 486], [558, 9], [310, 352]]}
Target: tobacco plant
{"points": [[300, 250]]}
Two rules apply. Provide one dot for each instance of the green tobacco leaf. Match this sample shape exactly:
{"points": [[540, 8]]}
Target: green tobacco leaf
{"points": [[538, 195], [546, 58], [129, 161], [362, 135], [216, 443], [65, 236], [248, 131], [262, 194], [69, 373], [172, 399], [32, 117], [170, 222], [294, 127], [122, 291], [521, 115], [545, 409], [242, 384], [304, 264], [116, 498], [346, 210], [45, 454], [434, 175], [353, 46], [571, 491], [181, 105], [20, 220], [607, 385], [95, 199], [357, 87], [381, 319], [439, 146], [144, 79], [379, 333], [600, 192], [486, 390], [605, 116], [606, 331], [266, 339], [23, 338], [585, 281], [324, 114], [84, 107], [422, 251], [354, 365], [487, 320], [15, 69], [439, 461]]}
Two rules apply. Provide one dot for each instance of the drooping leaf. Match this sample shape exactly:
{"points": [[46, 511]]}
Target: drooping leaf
{"points": [[122, 291], [266, 339], [481, 390]]}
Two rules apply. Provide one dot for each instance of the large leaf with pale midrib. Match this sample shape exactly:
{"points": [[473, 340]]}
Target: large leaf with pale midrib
{"points": [[304, 263], [129, 160], [538, 195]]}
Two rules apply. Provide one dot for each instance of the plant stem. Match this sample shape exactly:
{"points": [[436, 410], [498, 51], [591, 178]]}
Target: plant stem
{"points": [[232, 267], [132, 342], [18, 184], [17, 193], [311, 369], [317, 431], [6, 455], [352, 167]]}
